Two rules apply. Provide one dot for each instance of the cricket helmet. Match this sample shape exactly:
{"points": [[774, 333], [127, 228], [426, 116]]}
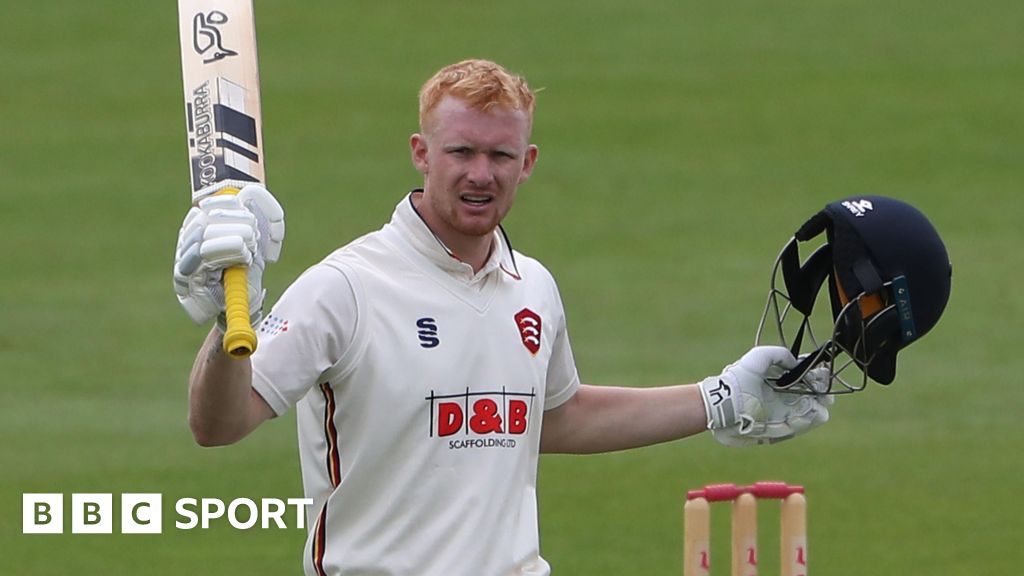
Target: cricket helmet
{"points": [[888, 276]]}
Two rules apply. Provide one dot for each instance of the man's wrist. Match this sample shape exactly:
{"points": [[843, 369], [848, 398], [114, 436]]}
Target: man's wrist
{"points": [[719, 404]]}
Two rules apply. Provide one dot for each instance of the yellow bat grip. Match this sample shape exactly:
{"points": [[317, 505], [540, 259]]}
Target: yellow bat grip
{"points": [[239, 337]]}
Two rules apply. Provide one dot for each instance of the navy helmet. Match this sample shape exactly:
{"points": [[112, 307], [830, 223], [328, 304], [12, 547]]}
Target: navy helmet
{"points": [[888, 276]]}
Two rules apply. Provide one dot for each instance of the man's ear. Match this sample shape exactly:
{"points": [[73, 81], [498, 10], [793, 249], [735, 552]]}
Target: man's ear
{"points": [[529, 162], [418, 150]]}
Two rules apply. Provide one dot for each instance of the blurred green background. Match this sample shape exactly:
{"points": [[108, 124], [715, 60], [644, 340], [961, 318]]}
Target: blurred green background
{"points": [[681, 144]]}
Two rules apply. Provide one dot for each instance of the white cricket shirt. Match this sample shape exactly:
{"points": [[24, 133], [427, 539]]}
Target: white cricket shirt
{"points": [[419, 388]]}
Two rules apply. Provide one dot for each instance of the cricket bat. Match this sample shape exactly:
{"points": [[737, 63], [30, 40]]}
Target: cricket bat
{"points": [[225, 132]]}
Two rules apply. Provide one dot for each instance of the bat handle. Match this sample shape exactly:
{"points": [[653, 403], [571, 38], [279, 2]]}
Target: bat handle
{"points": [[239, 337]]}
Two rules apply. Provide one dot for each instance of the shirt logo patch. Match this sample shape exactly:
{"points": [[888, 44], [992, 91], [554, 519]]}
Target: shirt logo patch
{"points": [[273, 325], [428, 332], [481, 418], [529, 325]]}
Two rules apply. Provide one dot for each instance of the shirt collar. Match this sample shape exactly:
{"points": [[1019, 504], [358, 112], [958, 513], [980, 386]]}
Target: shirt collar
{"points": [[411, 226]]}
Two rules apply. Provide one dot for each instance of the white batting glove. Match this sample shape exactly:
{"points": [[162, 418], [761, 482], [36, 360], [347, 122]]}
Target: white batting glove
{"points": [[246, 229], [743, 409]]}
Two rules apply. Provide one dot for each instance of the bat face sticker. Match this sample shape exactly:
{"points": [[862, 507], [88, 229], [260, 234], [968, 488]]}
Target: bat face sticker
{"points": [[206, 36], [529, 325]]}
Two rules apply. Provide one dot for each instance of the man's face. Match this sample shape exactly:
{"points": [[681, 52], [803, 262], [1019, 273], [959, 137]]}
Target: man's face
{"points": [[472, 162]]}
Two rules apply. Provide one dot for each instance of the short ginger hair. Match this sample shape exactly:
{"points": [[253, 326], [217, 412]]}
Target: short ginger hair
{"points": [[481, 84]]}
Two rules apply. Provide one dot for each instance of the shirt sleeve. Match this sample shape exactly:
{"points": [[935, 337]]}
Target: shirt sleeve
{"points": [[562, 378], [307, 332]]}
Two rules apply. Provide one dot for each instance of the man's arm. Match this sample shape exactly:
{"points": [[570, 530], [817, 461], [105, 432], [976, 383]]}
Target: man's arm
{"points": [[739, 406], [605, 418], [220, 232], [223, 407]]}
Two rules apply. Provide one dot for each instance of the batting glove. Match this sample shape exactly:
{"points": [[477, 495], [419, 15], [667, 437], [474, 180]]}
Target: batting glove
{"points": [[743, 409], [246, 229]]}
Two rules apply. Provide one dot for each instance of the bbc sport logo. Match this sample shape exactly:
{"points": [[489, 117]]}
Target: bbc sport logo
{"points": [[93, 513]]}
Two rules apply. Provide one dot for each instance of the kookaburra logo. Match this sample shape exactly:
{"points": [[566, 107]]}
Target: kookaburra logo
{"points": [[206, 36], [859, 208]]}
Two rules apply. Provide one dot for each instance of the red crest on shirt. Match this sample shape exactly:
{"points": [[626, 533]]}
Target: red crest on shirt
{"points": [[529, 325]]}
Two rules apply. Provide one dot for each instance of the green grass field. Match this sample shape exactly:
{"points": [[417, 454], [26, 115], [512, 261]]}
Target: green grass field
{"points": [[681, 144]]}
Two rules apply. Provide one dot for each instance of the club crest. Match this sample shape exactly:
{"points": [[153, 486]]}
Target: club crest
{"points": [[529, 324]]}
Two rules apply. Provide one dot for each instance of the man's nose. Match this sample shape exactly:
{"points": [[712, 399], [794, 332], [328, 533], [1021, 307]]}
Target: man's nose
{"points": [[481, 172]]}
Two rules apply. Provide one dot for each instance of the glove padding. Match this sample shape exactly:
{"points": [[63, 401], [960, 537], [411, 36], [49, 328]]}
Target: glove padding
{"points": [[246, 229], [743, 409]]}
